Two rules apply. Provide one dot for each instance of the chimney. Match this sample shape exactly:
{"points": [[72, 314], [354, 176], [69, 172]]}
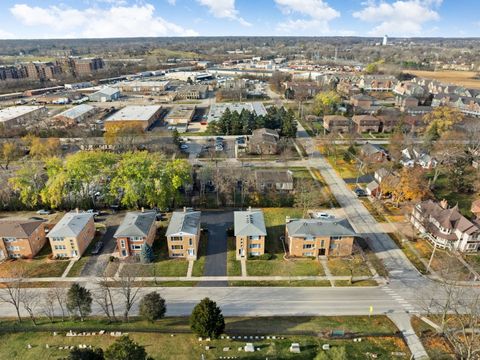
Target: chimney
{"points": [[77, 210], [143, 209], [184, 209], [249, 208], [444, 204]]}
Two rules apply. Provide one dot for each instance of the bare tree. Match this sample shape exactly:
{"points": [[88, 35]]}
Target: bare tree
{"points": [[127, 289], [13, 293], [30, 301], [48, 304], [60, 295], [104, 298], [307, 195]]}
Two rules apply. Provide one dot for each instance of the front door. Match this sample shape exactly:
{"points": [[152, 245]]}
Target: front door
{"points": [[191, 252], [321, 252], [74, 253], [241, 252]]}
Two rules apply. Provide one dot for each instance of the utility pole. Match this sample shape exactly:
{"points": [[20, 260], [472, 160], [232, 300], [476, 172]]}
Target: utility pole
{"points": [[431, 257]]}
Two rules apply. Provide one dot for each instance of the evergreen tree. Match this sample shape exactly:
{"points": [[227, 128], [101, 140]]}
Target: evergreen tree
{"points": [[146, 254], [86, 354], [176, 137], [125, 349], [79, 301], [207, 319], [152, 307]]}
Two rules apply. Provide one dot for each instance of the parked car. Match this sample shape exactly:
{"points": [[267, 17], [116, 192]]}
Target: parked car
{"points": [[43, 212], [97, 248], [322, 215], [184, 146], [218, 148], [360, 192], [93, 212]]}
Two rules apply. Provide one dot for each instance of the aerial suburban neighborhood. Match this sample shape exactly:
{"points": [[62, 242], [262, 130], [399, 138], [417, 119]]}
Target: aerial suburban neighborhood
{"points": [[200, 179]]}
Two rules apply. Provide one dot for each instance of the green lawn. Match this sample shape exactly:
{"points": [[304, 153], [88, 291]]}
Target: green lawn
{"points": [[40, 266], [309, 332], [199, 264], [414, 259], [346, 170], [282, 283], [341, 266], [280, 267], [341, 283], [234, 267], [275, 224], [374, 209]]}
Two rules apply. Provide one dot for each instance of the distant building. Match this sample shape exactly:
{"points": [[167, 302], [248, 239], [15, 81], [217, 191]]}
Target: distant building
{"points": [[86, 66], [180, 115], [141, 117], [144, 87], [76, 114], [136, 229], [385, 40], [191, 92], [263, 142], [250, 233], [366, 123], [337, 123], [71, 236], [183, 234], [446, 227], [319, 237], [107, 94], [21, 115], [21, 238], [373, 152], [279, 180]]}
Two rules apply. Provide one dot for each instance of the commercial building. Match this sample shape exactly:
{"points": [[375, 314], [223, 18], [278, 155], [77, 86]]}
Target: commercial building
{"points": [[76, 114], [191, 92], [105, 95], [71, 236], [180, 115], [189, 76], [319, 237], [143, 87], [21, 115], [446, 227], [217, 110], [250, 233], [183, 234], [21, 238], [136, 229], [141, 117]]}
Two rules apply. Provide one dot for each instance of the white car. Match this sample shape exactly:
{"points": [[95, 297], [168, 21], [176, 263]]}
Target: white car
{"points": [[218, 148], [184, 146], [322, 215]]}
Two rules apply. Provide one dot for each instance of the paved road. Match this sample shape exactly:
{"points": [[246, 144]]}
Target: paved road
{"points": [[216, 260]]}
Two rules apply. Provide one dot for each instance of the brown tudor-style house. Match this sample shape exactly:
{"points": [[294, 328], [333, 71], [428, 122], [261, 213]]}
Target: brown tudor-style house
{"points": [[136, 229], [319, 237], [21, 238]]}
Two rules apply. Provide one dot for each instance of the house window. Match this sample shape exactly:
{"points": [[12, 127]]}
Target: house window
{"points": [[136, 238], [177, 255], [177, 247], [471, 246], [15, 256], [322, 244], [309, 246], [253, 238], [135, 247], [176, 238], [60, 247], [9, 239], [333, 238], [307, 254], [122, 244], [57, 238], [13, 248], [309, 238], [254, 246], [190, 242], [254, 253]]}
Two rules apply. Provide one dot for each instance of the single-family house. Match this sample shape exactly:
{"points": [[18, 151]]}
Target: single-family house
{"points": [[71, 236], [446, 227], [373, 152], [21, 238], [137, 228], [183, 234], [280, 180], [263, 142], [250, 233], [319, 237], [373, 188]]}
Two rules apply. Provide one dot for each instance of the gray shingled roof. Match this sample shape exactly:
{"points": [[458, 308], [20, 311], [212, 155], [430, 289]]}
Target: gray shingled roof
{"points": [[249, 223], [186, 222], [319, 227], [136, 224], [70, 225], [18, 228]]}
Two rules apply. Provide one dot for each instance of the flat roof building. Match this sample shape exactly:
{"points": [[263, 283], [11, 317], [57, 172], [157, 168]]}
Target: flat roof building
{"points": [[145, 87], [20, 115], [134, 116], [106, 94], [180, 115], [217, 110], [77, 113]]}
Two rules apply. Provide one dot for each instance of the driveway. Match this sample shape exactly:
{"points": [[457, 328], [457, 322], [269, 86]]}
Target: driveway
{"points": [[216, 260], [96, 264]]}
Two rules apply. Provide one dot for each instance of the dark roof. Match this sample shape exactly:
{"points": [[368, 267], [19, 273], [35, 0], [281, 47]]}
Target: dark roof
{"points": [[18, 228], [136, 224], [274, 176], [319, 227]]}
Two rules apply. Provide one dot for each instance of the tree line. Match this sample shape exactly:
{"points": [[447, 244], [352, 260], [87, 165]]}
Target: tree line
{"points": [[131, 179], [243, 123]]}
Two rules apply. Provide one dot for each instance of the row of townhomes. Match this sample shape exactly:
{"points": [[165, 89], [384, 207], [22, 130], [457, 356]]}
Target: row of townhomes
{"points": [[70, 237]]}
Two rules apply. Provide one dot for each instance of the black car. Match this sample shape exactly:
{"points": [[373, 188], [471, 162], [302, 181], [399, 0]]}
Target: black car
{"points": [[97, 248], [360, 192]]}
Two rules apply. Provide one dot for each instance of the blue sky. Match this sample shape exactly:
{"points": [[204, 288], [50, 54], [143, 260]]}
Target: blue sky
{"points": [[119, 18]]}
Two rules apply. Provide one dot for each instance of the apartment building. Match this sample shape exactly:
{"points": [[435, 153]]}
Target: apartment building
{"points": [[366, 123], [86, 66], [446, 227], [250, 232], [136, 229], [21, 238], [183, 234], [337, 123], [71, 236], [319, 237]]}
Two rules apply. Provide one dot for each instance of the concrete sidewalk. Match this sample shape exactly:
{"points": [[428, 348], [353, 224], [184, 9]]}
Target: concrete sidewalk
{"points": [[404, 324]]}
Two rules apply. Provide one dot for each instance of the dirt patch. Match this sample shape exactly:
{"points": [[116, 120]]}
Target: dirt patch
{"points": [[462, 78]]}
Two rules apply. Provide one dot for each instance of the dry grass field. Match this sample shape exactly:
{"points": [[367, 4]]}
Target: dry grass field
{"points": [[463, 78]]}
